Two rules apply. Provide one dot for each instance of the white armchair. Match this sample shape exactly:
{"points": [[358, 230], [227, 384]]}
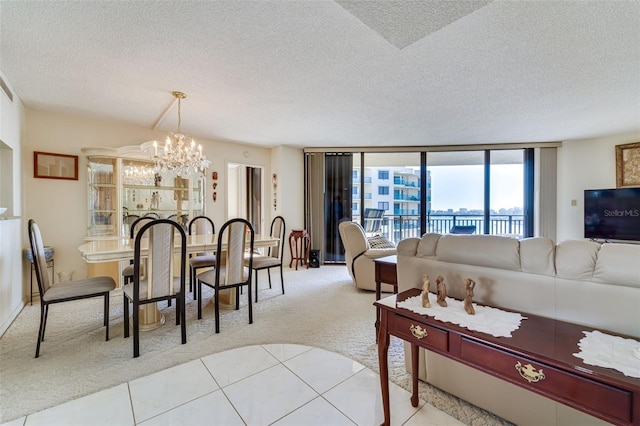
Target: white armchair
{"points": [[359, 255]]}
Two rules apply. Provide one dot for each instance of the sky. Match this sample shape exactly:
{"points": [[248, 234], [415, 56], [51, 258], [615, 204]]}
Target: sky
{"points": [[455, 187]]}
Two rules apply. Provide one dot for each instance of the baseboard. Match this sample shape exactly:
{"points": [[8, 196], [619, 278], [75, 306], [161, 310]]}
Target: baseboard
{"points": [[13, 316]]}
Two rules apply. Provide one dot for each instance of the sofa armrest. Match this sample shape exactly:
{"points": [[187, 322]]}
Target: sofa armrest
{"points": [[408, 246]]}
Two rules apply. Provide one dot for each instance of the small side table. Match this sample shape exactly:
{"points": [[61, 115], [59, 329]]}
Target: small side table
{"points": [[302, 242]]}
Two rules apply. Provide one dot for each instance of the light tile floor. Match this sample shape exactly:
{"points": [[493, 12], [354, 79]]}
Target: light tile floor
{"points": [[276, 384]]}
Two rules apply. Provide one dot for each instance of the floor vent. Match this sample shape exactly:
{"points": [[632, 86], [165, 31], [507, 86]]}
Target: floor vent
{"points": [[6, 90]]}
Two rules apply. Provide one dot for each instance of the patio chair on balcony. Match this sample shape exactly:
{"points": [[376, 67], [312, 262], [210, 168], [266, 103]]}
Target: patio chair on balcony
{"points": [[463, 229], [372, 221]]}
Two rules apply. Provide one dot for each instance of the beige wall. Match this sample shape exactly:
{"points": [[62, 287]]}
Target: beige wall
{"points": [[60, 206], [11, 227], [584, 164]]}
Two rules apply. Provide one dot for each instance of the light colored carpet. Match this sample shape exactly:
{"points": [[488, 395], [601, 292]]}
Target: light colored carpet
{"points": [[321, 308]]}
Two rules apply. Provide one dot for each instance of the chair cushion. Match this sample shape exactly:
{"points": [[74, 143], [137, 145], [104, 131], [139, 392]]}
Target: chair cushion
{"points": [[128, 289], [209, 277], [127, 271], [79, 288], [261, 262], [203, 261]]}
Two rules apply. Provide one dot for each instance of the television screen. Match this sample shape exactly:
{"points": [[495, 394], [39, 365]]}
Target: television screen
{"points": [[612, 214]]}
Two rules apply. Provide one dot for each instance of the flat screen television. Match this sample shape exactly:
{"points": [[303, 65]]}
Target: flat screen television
{"points": [[612, 214]]}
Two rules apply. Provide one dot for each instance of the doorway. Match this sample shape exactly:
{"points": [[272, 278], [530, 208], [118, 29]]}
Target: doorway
{"points": [[244, 189]]}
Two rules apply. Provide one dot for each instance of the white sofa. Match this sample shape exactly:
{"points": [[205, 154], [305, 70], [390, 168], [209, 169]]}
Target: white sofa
{"points": [[583, 282], [359, 255]]}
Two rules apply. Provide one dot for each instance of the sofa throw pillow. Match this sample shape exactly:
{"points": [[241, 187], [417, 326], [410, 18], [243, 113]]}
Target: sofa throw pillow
{"points": [[379, 242]]}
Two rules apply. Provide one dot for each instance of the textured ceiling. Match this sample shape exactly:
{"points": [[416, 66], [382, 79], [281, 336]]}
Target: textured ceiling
{"points": [[324, 73]]}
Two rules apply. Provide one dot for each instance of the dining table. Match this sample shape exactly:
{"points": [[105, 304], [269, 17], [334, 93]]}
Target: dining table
{"points": [[122, 249]]}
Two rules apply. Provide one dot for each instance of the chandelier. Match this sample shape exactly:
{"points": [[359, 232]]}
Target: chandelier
{"points": [[179, 154]]}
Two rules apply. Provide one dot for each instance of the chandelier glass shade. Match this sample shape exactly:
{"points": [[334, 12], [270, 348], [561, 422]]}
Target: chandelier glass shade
{"points": [[179, 154]]}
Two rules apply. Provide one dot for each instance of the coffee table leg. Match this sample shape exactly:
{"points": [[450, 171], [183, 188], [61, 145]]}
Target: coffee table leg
{"points": [[383, 349], [414, 373]]}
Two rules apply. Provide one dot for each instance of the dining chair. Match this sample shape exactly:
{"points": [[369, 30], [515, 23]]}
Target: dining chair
{"points": [[127, 271], [200, 225], [66, 291], [230, 271], [159, 283], [273, 258]]}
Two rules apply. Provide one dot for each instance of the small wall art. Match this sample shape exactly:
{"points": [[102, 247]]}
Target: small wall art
{"points": [[48, 165], [274, 180], [628, 165]]}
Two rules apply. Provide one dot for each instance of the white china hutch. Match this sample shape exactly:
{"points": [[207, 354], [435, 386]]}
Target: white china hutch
{"points": [[122, 185]]}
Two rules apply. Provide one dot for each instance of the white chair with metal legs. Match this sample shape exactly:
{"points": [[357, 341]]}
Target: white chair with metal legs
{"points": [[273, 258], [66, 291], [127, 271], [230, 271], [159, 282], [200, 225]]}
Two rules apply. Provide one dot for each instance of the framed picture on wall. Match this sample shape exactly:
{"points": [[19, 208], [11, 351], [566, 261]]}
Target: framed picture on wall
{"points": [[48, 165], [628, 165]]}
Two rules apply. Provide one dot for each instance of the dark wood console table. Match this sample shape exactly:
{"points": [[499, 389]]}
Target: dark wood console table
{"points": [[538, 357]]}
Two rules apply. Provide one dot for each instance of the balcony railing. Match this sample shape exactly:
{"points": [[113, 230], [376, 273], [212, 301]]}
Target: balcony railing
{"points": [[399, 226]]}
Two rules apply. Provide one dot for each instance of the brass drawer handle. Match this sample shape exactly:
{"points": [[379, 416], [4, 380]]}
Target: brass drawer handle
{"points": [[529, 373], [417, 331]]}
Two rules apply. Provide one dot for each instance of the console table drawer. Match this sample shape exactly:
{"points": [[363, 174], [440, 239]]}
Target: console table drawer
{"points": [[420, 334], [610, 401]]}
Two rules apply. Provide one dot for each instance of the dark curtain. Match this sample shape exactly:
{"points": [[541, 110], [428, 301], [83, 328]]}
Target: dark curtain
{"points": [[337, 202], [529, 189], [254, 197]]}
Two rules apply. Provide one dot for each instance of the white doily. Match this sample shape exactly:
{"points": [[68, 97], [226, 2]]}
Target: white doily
{"points": [[488, 320], [605, 350]]}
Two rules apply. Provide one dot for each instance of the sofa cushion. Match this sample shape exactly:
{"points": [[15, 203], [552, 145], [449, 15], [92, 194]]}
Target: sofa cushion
{"points": [[408, 246], [576, 260], [536, 256], [427, 246], [612, 265], [480, 250], [380, 242]]}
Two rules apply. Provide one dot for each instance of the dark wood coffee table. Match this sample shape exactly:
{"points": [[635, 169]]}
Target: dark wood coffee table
{"points": [[538, 357]]}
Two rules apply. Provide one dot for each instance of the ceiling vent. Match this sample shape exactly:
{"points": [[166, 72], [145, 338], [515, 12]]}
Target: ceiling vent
{"points": [[6, 90]]}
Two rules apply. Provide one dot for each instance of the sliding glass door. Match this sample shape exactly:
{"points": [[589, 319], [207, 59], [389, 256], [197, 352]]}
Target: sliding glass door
{"points": [[457, 192], [386, 194], [507, 192]]}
